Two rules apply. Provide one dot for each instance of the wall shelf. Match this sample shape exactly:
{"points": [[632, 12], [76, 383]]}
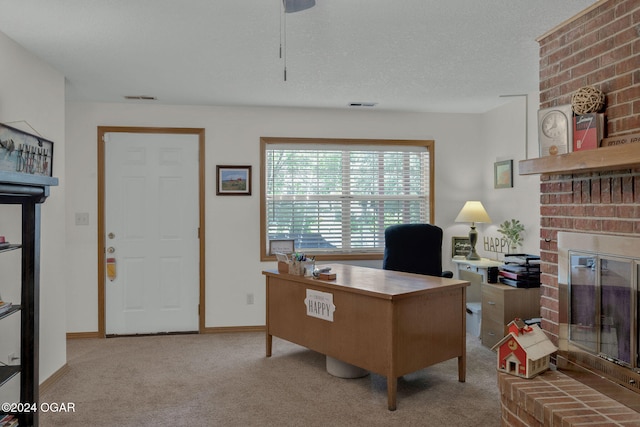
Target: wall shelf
{"points": [[28, 192], [606, 158]]}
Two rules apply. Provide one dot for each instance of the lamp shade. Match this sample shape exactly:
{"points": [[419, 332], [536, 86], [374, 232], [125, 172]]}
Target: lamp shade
{"points": [[473, 211]]}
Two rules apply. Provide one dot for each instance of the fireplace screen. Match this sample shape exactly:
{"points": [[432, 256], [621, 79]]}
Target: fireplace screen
{"points": [[602, 306]]}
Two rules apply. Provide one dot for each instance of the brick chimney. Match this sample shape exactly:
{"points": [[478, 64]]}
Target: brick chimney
{"points": [[601, 48]]}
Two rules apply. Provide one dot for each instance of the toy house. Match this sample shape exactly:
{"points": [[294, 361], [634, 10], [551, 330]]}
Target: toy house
{"points": [[525, 350]]}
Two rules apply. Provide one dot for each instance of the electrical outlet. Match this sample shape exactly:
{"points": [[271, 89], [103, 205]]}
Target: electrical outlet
{"points": [[249, 299], [82, 218]]}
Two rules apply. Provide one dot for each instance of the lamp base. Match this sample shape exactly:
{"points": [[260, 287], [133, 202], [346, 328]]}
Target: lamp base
{"points": [[473, 256], [473, 239]]}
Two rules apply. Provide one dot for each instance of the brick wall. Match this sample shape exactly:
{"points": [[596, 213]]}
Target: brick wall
{"points": [[600, 48], [554, 399]]}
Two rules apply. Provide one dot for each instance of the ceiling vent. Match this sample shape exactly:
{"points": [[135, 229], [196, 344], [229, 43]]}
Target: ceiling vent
{"points": [[141, 97], [363, 104]]}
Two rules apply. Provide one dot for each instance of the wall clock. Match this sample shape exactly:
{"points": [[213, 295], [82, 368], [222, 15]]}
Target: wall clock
{"points": [[555, 130]]}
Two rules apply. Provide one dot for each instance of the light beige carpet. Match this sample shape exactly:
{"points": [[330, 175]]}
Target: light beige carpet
{"points": [[226, 380]]}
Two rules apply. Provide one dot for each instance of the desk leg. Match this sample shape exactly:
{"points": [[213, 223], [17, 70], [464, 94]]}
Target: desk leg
{"points": [[462, 368], [462, 359], [392, 388], [269, 343]]}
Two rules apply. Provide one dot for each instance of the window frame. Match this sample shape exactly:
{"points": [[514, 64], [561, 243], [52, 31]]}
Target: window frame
{"points": [[266, 141]]}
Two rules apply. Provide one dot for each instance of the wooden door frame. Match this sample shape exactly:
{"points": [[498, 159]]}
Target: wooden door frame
{"points": [[102, 130]]}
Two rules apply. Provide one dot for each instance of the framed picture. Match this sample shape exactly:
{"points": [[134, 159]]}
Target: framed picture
{"points": [[233, 180], [284, 246], [460, 246], [22, 152], [503, 174]]}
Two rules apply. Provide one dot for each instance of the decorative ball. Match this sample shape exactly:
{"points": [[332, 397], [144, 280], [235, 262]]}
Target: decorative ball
{"points": [[586, 100]]}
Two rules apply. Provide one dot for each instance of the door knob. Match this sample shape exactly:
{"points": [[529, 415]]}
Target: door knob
{"points": [[111, 249], [111, 235]]}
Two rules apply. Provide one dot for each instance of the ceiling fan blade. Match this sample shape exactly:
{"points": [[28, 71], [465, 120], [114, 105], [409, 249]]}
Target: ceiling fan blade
{"points": [[291, 6]]}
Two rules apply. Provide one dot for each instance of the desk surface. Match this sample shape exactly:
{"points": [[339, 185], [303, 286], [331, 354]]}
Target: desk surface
{"points": [[481, 263], [379, 283]]}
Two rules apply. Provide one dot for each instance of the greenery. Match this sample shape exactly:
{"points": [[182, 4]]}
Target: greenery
{"points": [[512, 231]]}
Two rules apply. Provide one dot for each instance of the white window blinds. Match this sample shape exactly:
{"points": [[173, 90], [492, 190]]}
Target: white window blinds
{"points": [[340, 198]]}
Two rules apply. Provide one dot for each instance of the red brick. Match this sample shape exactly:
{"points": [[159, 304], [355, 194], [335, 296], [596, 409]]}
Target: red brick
{"points": [[626, 211], [627, 189], [617, 226], [603, 210], [587, 224], [620, 110], [605, 190]]}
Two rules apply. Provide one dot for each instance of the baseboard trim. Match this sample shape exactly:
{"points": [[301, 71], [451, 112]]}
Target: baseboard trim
{"points": [[227, 329], [81, 335], [209, 330], [54, 378]]}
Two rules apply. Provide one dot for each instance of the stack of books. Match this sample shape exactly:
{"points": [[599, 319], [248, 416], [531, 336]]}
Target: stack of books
{"points": [[4, 307], [520, 271], [8, 420]]}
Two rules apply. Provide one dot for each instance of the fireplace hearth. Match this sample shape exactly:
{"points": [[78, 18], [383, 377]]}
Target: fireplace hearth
{"points": [[599, 298]]}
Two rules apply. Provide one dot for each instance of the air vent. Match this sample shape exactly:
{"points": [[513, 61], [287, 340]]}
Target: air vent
{"points": [[141, 97], [363, 104]]}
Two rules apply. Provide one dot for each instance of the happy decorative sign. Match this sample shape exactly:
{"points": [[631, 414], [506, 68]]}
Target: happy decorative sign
{"points": [[320, 305]]}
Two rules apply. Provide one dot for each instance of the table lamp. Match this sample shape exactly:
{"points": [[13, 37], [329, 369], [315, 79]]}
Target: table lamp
{"points": [[473, 212]]}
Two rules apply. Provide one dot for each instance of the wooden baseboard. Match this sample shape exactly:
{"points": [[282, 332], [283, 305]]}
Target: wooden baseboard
{"points": [[54, 378], [227, 329], [79, 335], [210, 330]]}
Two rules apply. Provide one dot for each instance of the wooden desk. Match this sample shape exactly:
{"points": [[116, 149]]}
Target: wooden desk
{"points": [[387, 322]]}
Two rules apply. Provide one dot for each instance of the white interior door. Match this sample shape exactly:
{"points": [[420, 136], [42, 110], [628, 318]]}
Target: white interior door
{"points": [[151, 224]]}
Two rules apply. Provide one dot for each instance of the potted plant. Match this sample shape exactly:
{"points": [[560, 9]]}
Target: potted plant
{"points": [[512, 232]]}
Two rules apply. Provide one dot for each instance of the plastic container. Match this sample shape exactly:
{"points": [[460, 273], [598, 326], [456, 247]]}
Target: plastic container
{"points": [[474, 318]]}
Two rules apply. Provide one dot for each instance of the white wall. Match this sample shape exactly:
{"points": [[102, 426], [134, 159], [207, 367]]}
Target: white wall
{"points": [[503, 131], [32, 94], [232, 223]]}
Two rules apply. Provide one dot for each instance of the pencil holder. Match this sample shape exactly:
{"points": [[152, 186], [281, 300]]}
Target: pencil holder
{"points": [[296, 268]]}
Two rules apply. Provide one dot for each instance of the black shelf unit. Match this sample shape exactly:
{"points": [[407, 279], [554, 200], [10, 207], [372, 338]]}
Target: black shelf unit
{"points": [[28, 191]]}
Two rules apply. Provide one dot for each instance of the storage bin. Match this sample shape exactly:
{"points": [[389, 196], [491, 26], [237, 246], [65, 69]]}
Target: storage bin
{"points": [[474, 317]]}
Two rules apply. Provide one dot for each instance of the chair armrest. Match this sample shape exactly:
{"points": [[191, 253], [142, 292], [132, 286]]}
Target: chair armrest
{"points": [[447, 273]]}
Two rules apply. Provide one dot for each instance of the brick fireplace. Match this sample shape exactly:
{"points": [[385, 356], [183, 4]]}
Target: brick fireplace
{"points": [[599, 47]]}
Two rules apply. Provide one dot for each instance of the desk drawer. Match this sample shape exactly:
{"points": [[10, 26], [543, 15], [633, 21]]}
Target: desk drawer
{"points": [[492, 303]]}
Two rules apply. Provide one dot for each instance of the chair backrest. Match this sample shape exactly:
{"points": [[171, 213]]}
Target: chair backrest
{"points": [[413, 248]]}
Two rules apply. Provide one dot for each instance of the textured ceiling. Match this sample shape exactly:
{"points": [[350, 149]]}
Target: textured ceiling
{"points": [[404, 55]]}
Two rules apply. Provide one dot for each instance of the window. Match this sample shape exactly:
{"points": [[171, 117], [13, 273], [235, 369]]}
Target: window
{"points": [[335, 197]]}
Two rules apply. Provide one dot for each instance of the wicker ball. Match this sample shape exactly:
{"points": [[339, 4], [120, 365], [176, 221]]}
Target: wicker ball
{"points": [[586, 100]]}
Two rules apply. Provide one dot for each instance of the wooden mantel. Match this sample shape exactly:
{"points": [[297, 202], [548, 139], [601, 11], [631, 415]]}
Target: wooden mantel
{"points": [[606, 158]]}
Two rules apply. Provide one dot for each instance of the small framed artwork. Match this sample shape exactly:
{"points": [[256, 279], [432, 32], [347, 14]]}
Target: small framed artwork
{"points": [[233, 180], [503, 174], [281, 246], [22, 152], [460, 246]]}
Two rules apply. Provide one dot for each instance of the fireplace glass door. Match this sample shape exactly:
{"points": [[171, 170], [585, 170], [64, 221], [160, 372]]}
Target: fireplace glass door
{"points": [[602, 298]]}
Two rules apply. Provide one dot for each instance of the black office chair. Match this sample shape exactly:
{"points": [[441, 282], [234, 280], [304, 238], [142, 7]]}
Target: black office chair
{"points": [[414, 248]]}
